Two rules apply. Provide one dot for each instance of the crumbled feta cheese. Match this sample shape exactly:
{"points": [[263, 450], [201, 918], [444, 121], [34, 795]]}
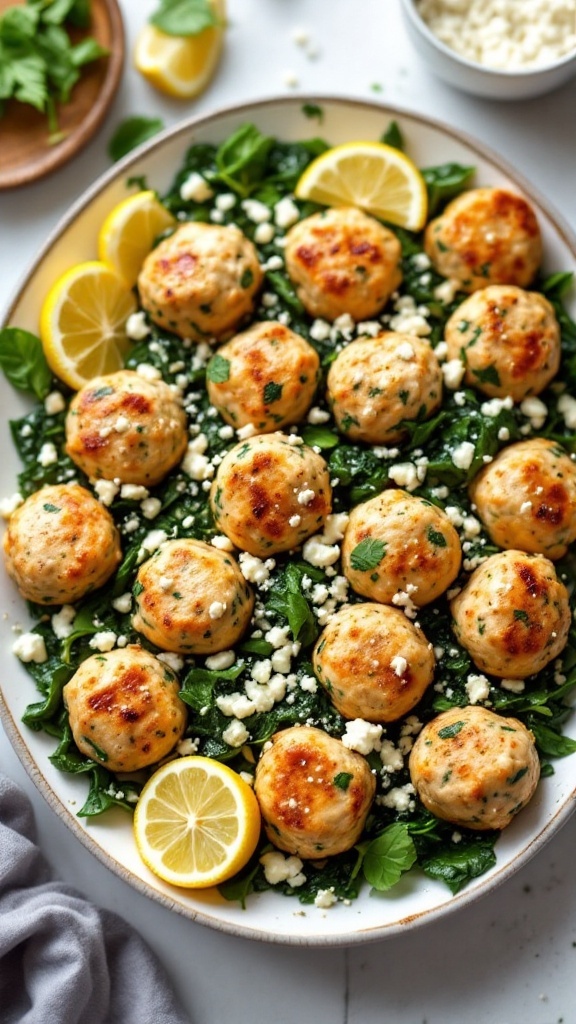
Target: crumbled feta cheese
{"points": [[196, 188], [172, 660], [362, 736], [217, 609], [400, 798], [286, 212], [54, 403], [463, 455], [254, 569], [316, 552], [62, 621], [535, 410], [567, 409], [9, 505], [477, 687], [104, 640], [222, 543], [222, 660], [513, 685], [235, 734], [494, 406], [281, 868], [398, 665], [187, 747], [453, 371], [148, 371], [30, 647], [106, 490], [48, 454], [404, 474], [325, 898], [136, 326], [264, 233], [133, 492], [256, 211]]}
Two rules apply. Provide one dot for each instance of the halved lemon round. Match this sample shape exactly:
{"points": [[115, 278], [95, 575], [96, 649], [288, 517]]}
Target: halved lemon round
{"points": [[180, 66], [196, 823], [128, 233], [83, 323], [373, 176]]}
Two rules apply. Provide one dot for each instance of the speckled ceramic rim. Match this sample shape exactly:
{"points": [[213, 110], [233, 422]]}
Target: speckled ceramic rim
{"points": [[203, 916], [512, 73]]}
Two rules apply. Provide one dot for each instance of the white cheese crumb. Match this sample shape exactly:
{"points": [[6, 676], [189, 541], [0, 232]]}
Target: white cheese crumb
{"points": [[453, 371], [62, 621], [196, 187], [148, 371], [463, 455], [325, 898], [222, 542], [48, 454], [477, 687], [104, 640], [136, 326], [54, 403], [235, 734], [217, 609], [362, 736], [567, 409], [30, 647], [279, 868], [9, 505], [398, 665], [106, 490], [513, 685], [286, 212], [222, 660]]}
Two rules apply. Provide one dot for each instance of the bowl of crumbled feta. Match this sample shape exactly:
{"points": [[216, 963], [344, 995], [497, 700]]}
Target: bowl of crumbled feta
{"points": [[498, 49]]}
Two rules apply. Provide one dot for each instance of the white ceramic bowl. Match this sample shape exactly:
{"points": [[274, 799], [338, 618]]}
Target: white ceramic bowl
{"points": [[478, 79]]}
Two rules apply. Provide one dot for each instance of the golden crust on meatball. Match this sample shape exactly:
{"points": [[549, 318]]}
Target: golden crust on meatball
{"points": [[191, 598], [60, 544], [270, 495], [508, 339], [398, 542], [376, 383], [314, 793], [266, 376], [124, 427], [373, 662], [485, 236], [513, 615], [526, 497], [124, 709], [474, 768], [343, 261], [201, 281]]}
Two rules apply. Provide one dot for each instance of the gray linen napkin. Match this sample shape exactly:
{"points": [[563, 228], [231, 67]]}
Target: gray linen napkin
{"points": [[63, 960]]}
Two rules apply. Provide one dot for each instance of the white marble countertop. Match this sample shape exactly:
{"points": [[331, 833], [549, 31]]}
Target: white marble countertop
{"points": [[509, 958]]}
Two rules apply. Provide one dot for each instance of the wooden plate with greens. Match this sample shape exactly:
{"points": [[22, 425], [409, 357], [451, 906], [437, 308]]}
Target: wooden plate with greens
{"points": [[34, 142]]}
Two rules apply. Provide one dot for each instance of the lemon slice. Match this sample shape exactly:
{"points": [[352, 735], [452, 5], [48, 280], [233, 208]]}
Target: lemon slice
{"points": [[83, 323], [196, 823], [128, 233], [180, 66], [375, 177]]}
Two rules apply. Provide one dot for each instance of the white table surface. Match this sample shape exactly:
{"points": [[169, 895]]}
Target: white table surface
{"points": [[510, 958]]}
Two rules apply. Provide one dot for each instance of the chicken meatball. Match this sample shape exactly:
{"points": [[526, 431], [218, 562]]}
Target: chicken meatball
{"points": [[398, 542], [124, 709], [508, 339], [191, 598], [60, 544], [526, 497], [376, 383], [343, 261], [270, 495], [485, 236], [266, 376], [474, 768], [373, 662], [201, 281], [512, 616], [124, 427], [306, 808]]}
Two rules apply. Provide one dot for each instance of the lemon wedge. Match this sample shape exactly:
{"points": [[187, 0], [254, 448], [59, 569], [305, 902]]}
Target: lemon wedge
{"points": [[373, 176], [196, 823], [128, 233], [83, 323], [180, 66]]}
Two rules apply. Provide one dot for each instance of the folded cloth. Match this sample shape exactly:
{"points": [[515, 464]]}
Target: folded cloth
{"points": [[63, 960]]}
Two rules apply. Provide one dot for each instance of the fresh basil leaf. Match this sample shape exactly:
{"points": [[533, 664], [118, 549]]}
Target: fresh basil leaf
{"points": [[218, 369], [184, 17], [388, 856], [23, 361], [367, 554], [131, 133], [444, 182], [241, 159], [393, 136], [459, 865], [551, 743]]}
